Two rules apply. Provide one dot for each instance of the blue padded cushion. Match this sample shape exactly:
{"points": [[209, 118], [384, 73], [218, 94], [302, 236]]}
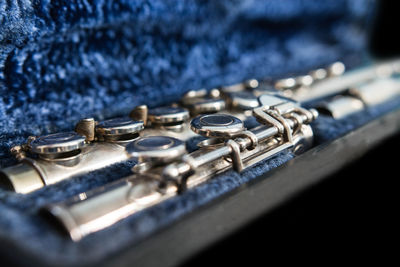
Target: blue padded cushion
{"points": [[63, 60]]}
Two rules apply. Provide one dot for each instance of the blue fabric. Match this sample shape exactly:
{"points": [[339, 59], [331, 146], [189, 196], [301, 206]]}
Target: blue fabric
{"points": [[64, 60]]}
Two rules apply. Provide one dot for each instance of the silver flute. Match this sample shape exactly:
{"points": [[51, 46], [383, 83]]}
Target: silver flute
{"points": [[48, 159], [165, 169]]}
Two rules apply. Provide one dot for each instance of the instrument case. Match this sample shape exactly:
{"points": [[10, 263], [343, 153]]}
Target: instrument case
{"points": [[61, 61]]}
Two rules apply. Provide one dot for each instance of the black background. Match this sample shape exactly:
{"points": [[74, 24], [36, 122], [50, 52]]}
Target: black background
{"points": [[351, 217]]}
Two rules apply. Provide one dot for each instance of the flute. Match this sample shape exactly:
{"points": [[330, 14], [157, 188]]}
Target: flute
{"points": [[165, 169], [46, 160]]}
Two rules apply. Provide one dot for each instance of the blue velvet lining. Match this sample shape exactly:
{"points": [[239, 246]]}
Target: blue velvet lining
{"points": [[62, 60]]}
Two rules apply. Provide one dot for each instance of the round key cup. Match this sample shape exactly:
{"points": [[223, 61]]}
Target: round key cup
{"points": [[217, 125], [156, 149]]}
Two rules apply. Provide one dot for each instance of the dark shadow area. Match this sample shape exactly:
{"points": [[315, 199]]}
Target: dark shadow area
{"points": [[351, 216], [385, 41]]}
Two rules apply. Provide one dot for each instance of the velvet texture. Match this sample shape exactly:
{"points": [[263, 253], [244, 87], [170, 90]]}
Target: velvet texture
{"points": [[61, 61]]}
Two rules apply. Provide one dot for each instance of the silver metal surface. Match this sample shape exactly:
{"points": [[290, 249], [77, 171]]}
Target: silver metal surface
{"points": [[240, 87], [101, 209], [319, 74], [206, 105], [378, 91], [279, 103], [57, 143], [118, 126], [217, 125], [21, 178], [304, 80], [341, 106], [165, 115], [303, 140], [286, 83], [264, 88], [191, 95], [243, 100], [336, 69], [181, 131], [92, 157], [252, 83], [156, 148], [338, 84], [237, 162]]}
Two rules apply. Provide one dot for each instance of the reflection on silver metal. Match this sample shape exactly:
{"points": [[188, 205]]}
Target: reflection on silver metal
{"points": [[56, 157], [206, 105], [180, 131], [243, 100], [252, 83], [217, 125], [279, 103], [118, 126], [166, 115], [271, 101], [304, 80], [335, 83], [252, 137], [91, 157], [336, 69], [211, 142], [341, 106], [286, 83], [156, 148], [193, 94], [272, 117], [378, 91], [303, 139], [57, 143], [319, 74], [235, 155], [385, 71], [395, 65], [103, 208], [368, 94], [265, 88], [239, 87], [21, 178]]}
